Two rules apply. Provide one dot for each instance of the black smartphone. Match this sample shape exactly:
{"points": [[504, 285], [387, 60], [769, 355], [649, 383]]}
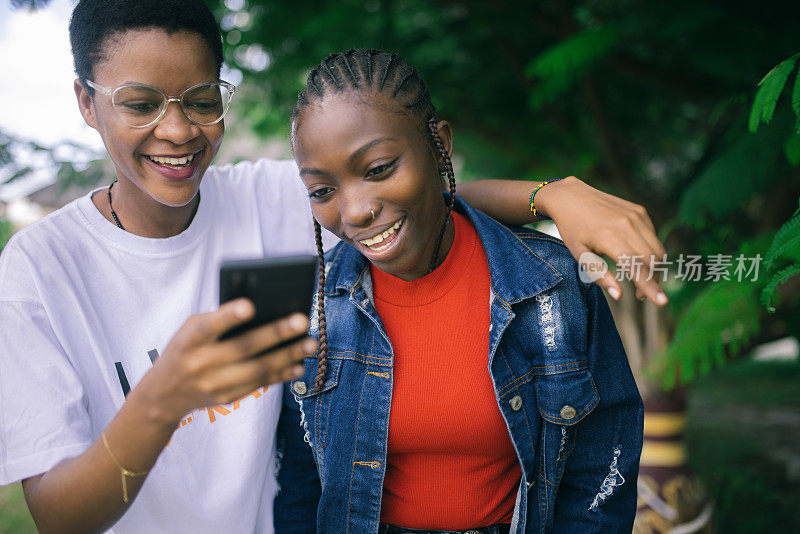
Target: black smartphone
{"points": [[276, 286]]}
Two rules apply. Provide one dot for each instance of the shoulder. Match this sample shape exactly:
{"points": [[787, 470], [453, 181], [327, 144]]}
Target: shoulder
{"points": [[550, 249], [261, 171]]}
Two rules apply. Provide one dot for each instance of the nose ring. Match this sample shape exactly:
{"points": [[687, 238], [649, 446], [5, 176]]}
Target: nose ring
{"points": [[373, 214]]}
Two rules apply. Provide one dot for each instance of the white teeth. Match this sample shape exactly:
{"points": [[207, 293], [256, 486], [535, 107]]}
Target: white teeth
{"points": [[172, 161], [380, 237]]}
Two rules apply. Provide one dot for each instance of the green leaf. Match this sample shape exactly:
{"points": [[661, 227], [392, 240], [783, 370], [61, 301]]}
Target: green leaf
{"points": [[769, 90], [746, 167], [559, 66], [721, 320], [786, 237], [780, 278]]}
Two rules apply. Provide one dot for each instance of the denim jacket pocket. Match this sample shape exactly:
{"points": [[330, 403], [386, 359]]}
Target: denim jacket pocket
{"points": [[566, 397], [315, 403]]}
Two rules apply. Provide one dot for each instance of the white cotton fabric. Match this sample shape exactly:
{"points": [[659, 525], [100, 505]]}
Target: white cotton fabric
{"points": [[78, 295]]}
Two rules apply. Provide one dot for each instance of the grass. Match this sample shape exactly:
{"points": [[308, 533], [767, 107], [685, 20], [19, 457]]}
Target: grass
{"points": [[743, 438], [14, 515]]}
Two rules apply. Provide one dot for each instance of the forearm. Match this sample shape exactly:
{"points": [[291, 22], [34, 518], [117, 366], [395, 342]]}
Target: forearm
{"points": [[505, 200], [84, 494]]}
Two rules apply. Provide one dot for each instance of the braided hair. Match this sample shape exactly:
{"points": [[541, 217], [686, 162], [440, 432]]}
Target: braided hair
{"points": [[382, 74]]}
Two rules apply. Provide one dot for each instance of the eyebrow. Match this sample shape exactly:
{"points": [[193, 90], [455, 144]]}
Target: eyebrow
{"points": [[354, 156]]}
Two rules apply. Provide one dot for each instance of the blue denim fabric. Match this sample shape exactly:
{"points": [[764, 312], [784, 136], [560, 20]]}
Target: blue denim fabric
{"points": [[295, 509], [561, 377], [492, 529]]}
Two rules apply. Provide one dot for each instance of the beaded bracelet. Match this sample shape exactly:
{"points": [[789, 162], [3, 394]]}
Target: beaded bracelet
{"points": [[533, 194]]}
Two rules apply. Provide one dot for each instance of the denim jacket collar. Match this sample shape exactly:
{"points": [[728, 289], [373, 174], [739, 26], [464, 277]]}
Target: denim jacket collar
{"points": [[506, 253]]}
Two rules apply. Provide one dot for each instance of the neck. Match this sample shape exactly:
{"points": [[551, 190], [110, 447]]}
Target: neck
{"points": [[142, 215], [422, 265]]}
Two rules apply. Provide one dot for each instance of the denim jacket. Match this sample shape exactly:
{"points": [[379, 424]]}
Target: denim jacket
{"points": [[561, 379]]}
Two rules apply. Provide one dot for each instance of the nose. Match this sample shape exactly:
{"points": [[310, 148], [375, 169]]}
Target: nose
{"points": [[357, 208], [175, 126]]}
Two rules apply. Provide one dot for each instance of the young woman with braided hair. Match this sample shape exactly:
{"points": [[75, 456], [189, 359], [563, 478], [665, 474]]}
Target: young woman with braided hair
{"points": [[409, 431]]}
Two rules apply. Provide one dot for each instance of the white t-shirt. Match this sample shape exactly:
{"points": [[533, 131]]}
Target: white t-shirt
{"points": [[85, 307]]}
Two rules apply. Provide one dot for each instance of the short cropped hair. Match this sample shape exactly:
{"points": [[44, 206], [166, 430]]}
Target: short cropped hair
{"points": [[93, 21]]}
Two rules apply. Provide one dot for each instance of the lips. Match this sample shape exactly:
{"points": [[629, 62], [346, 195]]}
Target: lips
{"points": [[179, 161], [379, 238], [379, 246], [179, 167]]}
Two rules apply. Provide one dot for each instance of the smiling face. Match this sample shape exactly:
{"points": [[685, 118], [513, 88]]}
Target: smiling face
{"points": [[165, 161], [357, 159]]}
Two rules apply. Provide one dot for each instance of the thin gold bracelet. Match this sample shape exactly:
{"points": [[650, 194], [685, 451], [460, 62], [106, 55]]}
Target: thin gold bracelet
{"points": [[122, 471]]}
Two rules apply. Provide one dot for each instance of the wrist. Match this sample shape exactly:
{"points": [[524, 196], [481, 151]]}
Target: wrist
{"points": [[550, 196], [154, 405]]}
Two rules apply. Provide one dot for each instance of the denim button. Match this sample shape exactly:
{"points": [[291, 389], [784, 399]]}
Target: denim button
{"points": [[300, 388], [516, 403], [567, 412]]}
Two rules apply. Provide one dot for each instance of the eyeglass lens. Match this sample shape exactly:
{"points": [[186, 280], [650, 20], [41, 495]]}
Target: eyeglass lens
{"points": [[141, 105]]}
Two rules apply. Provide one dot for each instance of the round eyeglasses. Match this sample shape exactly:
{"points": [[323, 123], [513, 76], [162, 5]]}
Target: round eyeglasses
{"points": [[142, 105]]}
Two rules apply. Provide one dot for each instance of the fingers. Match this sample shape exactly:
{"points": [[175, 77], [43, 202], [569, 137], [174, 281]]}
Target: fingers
{"points": [[205, 327], [611, 285], [232, 381], [650, 289], [264, 338]]}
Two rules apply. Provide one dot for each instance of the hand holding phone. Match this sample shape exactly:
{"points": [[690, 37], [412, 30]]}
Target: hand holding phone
{"points": [[276, 286]]}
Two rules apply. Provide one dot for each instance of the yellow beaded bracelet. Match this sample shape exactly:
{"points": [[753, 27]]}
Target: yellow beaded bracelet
{"points": [[533, 194]]}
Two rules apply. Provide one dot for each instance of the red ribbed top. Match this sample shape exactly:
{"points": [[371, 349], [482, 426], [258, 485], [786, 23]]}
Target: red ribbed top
{"points": [[450, 463]]}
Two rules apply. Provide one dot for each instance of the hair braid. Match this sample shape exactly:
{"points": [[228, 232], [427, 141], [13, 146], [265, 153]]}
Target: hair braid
{"points": [[409, 74], [370, 63], [322, 351], [451, 177], [386, 69], [328, 67], [313, 84], [349, 68]]}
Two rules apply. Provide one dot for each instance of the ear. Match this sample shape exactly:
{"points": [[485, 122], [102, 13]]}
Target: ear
{"points": [[446, 135], [85, 103]]}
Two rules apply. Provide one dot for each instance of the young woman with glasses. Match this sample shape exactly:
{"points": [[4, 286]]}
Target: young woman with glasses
{"points": [[120, 404]]}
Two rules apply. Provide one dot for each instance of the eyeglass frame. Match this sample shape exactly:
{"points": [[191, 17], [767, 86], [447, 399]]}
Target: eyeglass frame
{"points": [[109, 91]]}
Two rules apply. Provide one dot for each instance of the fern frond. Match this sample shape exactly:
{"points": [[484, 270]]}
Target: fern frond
{"points": [[741, 171], [787, 236], [557, 68], [769, 90], [723, 318], [780, 278]]}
